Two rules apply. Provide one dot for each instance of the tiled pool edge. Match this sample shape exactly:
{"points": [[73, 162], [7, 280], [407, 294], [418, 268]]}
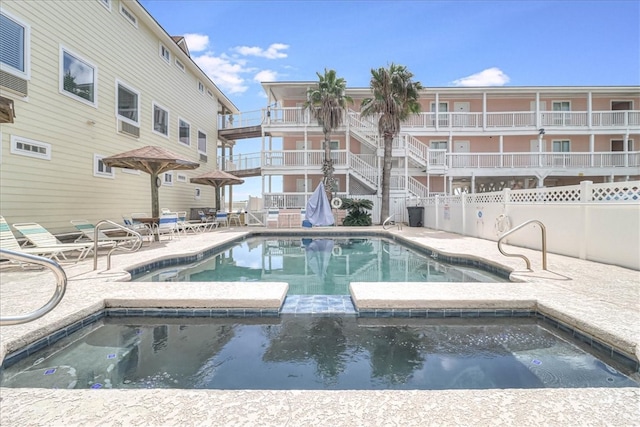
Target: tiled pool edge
{"points": [[454, 259], [468, 313]]}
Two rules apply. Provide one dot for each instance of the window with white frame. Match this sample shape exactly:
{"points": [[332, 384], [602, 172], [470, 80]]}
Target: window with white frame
{"points": [[160, 120], [164, 53], [77, 77], [202, 142], [209, 93], [561, 106], [438, 145], [129, 15], [14, 54], [184, 131], [30, 148], [180, 177], [106, 3], [561, 146], [200, 87], [100, 169], [128, 104], [167, 178], [179, 64]]}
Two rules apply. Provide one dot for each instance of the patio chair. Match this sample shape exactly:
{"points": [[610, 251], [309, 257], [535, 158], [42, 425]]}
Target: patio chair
{"points": [[168, 224], [234, 217], [41, 238], [208, 222], [186, 226], [222, 218], [303, 214], [138, 227], [87, 231], [273, 215]]}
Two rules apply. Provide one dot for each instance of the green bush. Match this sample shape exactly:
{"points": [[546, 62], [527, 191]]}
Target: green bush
{"points": [[357, 214]]}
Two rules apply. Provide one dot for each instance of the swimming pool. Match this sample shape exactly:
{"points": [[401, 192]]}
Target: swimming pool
{"points": [[319, 266], [305, 352]]}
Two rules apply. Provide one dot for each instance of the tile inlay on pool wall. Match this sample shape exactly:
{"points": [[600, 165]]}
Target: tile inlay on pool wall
{"points": [[600, 347]]}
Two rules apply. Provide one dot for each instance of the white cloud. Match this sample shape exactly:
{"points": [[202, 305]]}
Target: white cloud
{"points": [[225, 73], [489, 77], [197, 42], [265, 76], [272, 52]]}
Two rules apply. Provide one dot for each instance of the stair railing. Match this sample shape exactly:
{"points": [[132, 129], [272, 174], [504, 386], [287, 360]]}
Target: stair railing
{"points": [[526, 260], [61, 286]]}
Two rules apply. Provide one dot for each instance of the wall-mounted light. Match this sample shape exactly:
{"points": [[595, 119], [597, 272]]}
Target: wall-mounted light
{"points": [[541, 131]]}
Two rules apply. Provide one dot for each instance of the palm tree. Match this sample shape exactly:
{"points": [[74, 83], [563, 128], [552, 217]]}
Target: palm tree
{"points": [[327, 103], [395, 97]]}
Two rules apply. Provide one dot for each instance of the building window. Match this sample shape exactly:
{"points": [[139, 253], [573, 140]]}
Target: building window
{"points": [[181, 177], [179, 65], [209, 93], [78, 77], [200, 87], [30, 148], [561, 106], [167, 178], [106, 3], [202, 142], [438, 145], [129, 15], [160, 120], [128, 104], [100, 169], [14, 51], [164, 53], [561, 146], [184, 128]]}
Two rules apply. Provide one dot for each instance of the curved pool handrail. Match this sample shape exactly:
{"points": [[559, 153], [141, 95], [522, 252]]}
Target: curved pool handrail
{"points": [[61, 286], [526, 260], [134, 248], [388, 222]]}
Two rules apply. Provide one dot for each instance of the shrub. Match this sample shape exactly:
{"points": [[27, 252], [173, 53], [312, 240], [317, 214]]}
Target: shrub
{"points": [[357, 214]]}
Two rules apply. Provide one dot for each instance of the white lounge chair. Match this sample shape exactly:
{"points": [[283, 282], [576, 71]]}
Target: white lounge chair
{"points": [[222, 218], [186, 226], [39, 237], [88, 234], [139, 227], [208, 221]]}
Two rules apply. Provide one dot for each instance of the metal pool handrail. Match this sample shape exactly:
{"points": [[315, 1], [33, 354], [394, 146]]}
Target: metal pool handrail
{"points": [[61, 286], [388, 220], [133, 248], [526, 260]]}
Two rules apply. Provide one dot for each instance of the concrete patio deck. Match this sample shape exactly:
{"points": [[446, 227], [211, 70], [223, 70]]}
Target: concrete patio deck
{"points": [[600, 300]]}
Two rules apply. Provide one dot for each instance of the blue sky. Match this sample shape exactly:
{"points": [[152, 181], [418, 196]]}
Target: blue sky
{"points": [[443, 43]]}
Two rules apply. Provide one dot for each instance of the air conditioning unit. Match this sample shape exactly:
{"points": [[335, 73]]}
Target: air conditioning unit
{"points": [[13, 83], [203, 158], [128, 129]]}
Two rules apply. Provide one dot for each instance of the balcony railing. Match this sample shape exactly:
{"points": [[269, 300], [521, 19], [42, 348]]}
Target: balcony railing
{"points": [[547, 160], [295, 116]]}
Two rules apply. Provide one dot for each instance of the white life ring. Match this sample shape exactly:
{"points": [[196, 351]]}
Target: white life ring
{"points": [[337, 251], [502, 224], [336, 203]]}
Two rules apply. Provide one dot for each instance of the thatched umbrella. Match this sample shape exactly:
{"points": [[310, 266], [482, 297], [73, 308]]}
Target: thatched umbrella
{"points": [[218, 179], [154, 161]]}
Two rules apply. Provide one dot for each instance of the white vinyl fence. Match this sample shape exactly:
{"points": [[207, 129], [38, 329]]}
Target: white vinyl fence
{"points": [[596, 222]]}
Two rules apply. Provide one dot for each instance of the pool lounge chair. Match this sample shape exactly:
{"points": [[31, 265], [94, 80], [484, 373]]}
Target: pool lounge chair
{"points": [[42, 239], [186, 226], [138, 227], [8, 241], [208, 222], [88, 230]]}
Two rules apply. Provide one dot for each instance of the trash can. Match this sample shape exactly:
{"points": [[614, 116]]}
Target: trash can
{"points": [[416, 216]]}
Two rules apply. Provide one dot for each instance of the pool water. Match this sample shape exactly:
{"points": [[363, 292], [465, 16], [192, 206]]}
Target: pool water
{"points": [[305, 352], [319, 266]]}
